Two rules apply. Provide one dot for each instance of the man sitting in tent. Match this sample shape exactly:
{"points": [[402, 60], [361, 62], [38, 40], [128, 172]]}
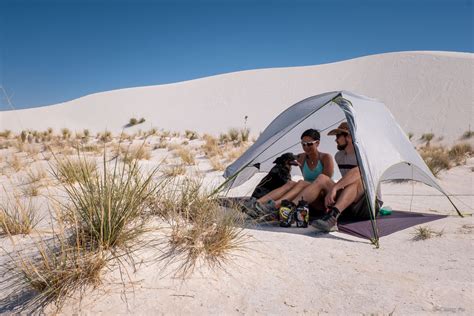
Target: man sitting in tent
{"points": [[347, 196]]}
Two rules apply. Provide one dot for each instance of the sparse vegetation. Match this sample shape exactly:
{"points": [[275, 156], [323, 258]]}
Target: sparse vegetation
{"points": [[174, 171], [425, 232], [17, 216], [467, 135], [186, 156], [410, 135], [191, 135], [133, 121], [427, 137], [436, 158], [200, 230]]}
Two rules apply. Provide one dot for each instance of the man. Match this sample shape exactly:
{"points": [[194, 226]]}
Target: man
{"points": [[347, 195]]}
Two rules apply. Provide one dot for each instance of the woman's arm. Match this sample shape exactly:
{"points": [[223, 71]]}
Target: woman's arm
{"points": [[328, 164]]}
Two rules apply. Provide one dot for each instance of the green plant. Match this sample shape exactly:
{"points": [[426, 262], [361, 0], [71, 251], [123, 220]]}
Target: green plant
{"points": [[133, 121], [233, 134], [244, 134], [467, 134], [142, 120], [108, 205]]}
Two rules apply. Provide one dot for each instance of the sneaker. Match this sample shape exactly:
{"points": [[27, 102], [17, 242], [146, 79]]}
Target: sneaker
{"points": [[327, 223], [249, 207]]}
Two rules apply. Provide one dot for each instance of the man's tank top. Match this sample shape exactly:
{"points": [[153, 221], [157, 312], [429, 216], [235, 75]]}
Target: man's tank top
{"points": [[311, 175]]}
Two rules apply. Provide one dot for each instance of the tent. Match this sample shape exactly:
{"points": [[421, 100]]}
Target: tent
{"points": [[382, 148]]}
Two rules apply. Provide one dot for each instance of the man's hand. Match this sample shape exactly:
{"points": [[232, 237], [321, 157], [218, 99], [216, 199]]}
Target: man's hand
{"points": [[330, 197]]}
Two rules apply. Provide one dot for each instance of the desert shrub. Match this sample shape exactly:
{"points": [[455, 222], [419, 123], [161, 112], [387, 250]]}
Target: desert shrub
{"points": [[6, 133], [425, 232], [108, 205], [244, 134], [70, 171], [427, 137], [133, 121], [459, 153], [142, 120], [191, 135], [410, 135], [137, 152], [467, 134], [66, 133], [216, 164], [436, 158], [105, 137], [174, 171], [186, 156], [54, 270], [17, 216], [200, 229], [15, 163], [211, 146], [233, 134]]}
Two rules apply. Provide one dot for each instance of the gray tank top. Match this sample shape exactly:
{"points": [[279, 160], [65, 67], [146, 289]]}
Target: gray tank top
{"points": [[345, 162]]}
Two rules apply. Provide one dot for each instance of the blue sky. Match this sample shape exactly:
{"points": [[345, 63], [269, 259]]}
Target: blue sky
{"points": [[54, 51]]}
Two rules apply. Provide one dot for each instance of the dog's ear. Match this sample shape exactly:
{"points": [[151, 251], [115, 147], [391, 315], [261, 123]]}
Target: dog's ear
{"points": [[279, 161]]}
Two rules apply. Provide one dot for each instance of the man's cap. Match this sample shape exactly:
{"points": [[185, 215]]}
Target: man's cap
{"points": [[342, 128]]}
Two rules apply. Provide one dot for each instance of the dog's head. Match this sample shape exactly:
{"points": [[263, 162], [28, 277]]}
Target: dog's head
{"points": [[287, 159]]}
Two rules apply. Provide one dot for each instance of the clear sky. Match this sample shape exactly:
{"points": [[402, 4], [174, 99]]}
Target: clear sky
{"points": [[55, 51]]}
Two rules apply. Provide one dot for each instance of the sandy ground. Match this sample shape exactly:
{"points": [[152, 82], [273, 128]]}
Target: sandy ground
{"points": [[298, 271]]}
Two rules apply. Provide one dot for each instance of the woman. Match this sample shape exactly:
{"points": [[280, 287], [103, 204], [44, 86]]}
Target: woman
{"points": [[312, 163]]}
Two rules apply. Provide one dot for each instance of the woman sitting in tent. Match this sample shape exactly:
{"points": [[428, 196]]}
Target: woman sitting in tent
{"points": [[312, 163]]}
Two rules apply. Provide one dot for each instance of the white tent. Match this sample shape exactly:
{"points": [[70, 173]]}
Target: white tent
{"points": [[382, 148]]}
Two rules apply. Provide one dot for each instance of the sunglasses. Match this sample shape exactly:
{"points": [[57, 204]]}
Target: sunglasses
{"points": [[308, 143]]}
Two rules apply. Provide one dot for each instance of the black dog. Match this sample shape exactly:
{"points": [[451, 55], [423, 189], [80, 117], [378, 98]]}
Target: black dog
{"points": [[278, 175]]}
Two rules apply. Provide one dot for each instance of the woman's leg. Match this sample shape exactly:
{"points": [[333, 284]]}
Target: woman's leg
{"points": [[277, 193], [291, 194], [313, 191]]}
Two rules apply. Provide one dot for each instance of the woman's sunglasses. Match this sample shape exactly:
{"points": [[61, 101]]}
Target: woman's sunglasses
{"points": [[308, 143]]}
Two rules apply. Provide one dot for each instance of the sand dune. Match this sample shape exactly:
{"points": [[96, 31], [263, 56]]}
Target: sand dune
{"points": [[426, 92]]}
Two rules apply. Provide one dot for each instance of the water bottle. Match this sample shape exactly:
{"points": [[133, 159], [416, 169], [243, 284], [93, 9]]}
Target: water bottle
{"points": [[386, 210], [302, 214]]}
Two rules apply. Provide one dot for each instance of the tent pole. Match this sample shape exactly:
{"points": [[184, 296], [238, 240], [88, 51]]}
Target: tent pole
{"points": [[375, 239], [455, 207]]}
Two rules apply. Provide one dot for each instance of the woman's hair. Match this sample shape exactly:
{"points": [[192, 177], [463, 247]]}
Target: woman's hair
{"points": [[314, 134]]}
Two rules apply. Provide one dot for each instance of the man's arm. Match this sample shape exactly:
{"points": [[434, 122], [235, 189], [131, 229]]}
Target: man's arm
{"points": [[351, 176]]}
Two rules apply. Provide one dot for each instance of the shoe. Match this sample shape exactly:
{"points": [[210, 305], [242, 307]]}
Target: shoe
{"points": [[327, 223], [249, 207]]}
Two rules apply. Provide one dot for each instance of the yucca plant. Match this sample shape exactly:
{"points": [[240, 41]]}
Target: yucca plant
{"points": [[109, 204], [200, 227], [17, 215]]}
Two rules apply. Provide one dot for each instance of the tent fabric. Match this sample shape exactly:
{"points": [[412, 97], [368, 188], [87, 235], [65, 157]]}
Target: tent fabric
{"points": [[383, 150], [387, 225]]}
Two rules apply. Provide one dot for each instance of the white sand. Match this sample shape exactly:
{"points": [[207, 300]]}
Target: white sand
{"points": [[294, 271], [426, 92]]}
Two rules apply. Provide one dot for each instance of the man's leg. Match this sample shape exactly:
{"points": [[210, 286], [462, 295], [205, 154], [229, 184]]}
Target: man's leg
{"points": [[352, 193], [348, 195]]}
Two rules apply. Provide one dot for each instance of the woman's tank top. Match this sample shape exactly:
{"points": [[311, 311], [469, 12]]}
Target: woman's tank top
{"points": [[311, 175]]}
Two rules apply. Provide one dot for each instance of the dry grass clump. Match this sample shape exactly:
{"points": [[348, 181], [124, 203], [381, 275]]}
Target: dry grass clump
{"points": [[6, 134], [427, 137], [191, 135], [105, 137], [467, 134], [15, 163], [425, 232], [459, 153], [200, 228], [108, 205], [131, 153], [211, 146], [79, 169], [186, 156], [436, 158], [216, 164], [56, 270], [17, 216], [174, 171]]}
